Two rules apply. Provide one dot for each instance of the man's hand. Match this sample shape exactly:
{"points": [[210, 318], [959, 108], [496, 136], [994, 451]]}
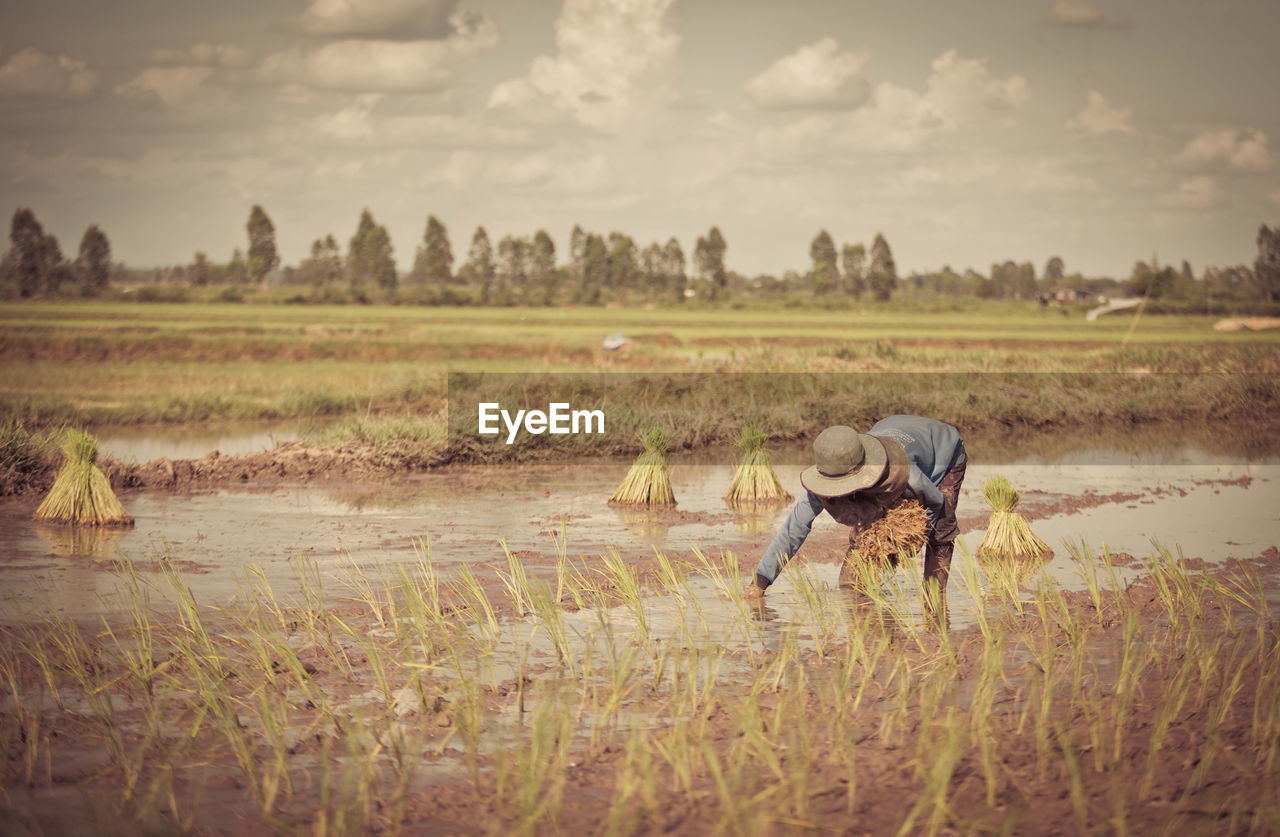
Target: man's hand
{"points": [[755, 594]]}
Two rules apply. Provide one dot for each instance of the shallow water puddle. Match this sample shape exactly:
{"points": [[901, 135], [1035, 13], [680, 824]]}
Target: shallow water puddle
{"points": [[1209, 511]]}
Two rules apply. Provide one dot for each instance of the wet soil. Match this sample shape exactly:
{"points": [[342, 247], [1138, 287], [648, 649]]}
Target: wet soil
{"points": [[1043, 785]]}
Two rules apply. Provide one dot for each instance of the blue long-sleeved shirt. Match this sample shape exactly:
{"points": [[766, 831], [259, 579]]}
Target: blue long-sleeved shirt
{"points": [[932, 447]]}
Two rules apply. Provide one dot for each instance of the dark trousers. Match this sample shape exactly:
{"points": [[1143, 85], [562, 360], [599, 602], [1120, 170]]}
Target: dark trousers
{"points": [[941, 543]]}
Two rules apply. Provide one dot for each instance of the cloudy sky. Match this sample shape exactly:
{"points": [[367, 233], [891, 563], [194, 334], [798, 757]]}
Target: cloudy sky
{"points": [[1102, 131]]}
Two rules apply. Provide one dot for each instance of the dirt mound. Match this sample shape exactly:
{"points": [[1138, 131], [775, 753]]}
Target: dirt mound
{"points": [[351, 461]]}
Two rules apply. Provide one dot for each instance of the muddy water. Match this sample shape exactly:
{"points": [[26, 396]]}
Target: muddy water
{"points": [[140, 445], [1189, 500]]}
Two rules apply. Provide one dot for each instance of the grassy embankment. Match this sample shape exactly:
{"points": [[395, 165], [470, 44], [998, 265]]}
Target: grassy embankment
{"points": [[380, 373], [419, 706]]}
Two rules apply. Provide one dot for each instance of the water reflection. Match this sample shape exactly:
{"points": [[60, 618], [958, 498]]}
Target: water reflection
{"points": [[86, 541]]}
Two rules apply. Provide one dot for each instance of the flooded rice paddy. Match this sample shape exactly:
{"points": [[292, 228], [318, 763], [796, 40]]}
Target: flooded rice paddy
{"points": [[498, 650], [1210, 507]]}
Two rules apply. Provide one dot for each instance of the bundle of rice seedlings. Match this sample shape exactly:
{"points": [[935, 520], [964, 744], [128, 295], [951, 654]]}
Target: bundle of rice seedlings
{"points": [[81, 493], [754, 480], [1008, 534], [901, 531], [648, 483]]}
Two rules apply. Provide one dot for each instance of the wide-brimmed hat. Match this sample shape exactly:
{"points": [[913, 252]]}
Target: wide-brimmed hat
{"points": [[844, 461]]}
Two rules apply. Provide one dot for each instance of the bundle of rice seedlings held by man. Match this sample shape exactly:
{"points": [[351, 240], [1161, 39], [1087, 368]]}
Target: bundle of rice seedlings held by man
{"points": [[754, 480], [1008, 533], [81, 493], [902, 529], [648, 482]]}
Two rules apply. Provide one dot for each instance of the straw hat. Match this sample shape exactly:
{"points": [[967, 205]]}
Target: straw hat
{"points": [[844, 461]]}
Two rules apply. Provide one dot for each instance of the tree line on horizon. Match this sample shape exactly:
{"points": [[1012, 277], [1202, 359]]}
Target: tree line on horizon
{"points": [[599, 269]]}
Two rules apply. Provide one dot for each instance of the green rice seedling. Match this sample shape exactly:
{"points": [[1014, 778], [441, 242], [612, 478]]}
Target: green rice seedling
{"points": [[538, 773], [1168, 705], [1133, 659], [1075, 779], [648, 482], [24, 729], [1088, 570], [469, 590], [516, 581], [823, 621], [551, 617], [947, 746], [81, 493], [627, 585], [1008, 533], [754, 480], [636, 778]]}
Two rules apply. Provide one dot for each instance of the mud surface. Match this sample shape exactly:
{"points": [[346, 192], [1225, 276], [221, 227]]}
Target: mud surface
{"points": [[336, 685]]}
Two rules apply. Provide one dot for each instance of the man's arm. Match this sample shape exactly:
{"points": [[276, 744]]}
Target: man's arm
{"points": [[927, 493], [792, 535]]}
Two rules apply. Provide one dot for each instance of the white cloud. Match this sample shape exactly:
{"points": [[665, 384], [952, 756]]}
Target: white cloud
{"points": [[610, 57], [1081, 13], [960, 93], [1098, 117], [352, 122], [959, 87], [378, 18], [992, 175], [202, 55], [1237, 149], [1200, 192], [171, 85], [815, 76], [379, 65], [529, 170], [34, 74]]}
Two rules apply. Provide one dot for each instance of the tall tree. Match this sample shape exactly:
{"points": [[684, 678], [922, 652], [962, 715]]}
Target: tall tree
{"points": [[94, 262], [624, 263], [200, 273], [1025, 282], [653, 270], [853, 258], [263, 257], [27, 237], [883, 276], [479, 269], [708, 258], [513, 270], [54, 271], [825, 275], [577, 255], [237, 271], [673, 258], [323, 268], [1266, 267], [370, 262], [434, 260], [595, 270], [543, 276], [1054, 271]]}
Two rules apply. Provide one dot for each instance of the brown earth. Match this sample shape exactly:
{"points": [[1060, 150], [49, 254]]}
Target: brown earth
{"points": [[1037, 792]]}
